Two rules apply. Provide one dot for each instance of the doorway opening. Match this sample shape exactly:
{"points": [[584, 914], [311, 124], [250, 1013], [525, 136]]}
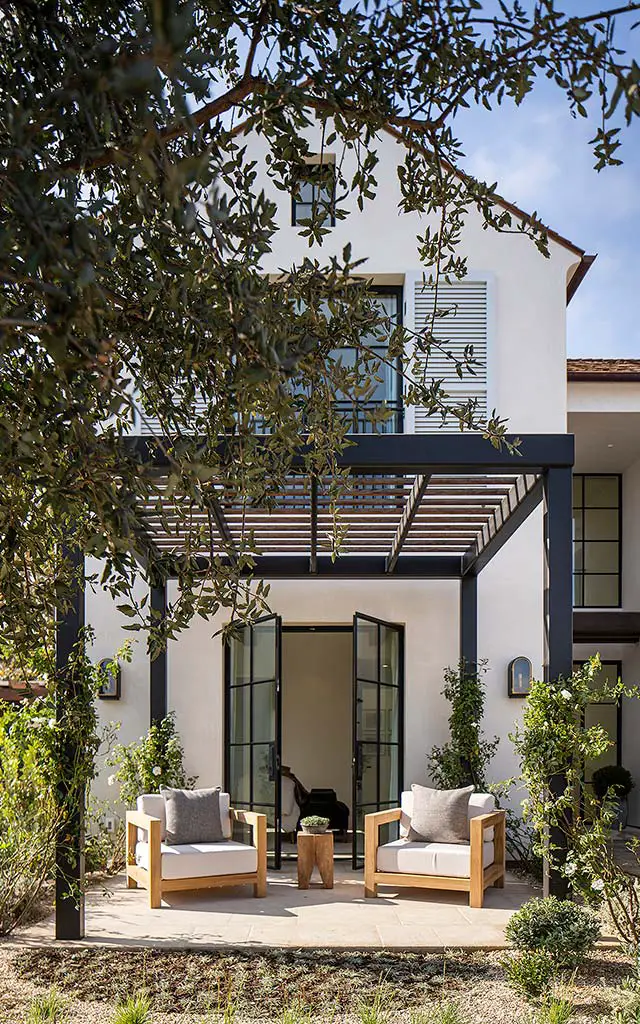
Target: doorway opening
{"points": [[317, 731], [315, 712]]}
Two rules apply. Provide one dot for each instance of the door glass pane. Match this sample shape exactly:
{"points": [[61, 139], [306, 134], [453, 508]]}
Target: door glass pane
{"points": [[367, 640], [601, 557], [264, 789], [264, 650], [240, 772], [601, 591], [271, 828], [601, 523], [264, 712], [389, 704], [240, 657], [601, 491], [607, 716], [578, 590], [609, 674], [577, 556], [577, 525], [389, 655], [368, 784], [577, 490], [239, 714], [388, 773], [367, 712]]}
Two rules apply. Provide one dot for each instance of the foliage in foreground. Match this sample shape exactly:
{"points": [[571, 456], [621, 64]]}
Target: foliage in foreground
{"points": [[132, 243], [464, 758], [572, 826], [49, 1008]]}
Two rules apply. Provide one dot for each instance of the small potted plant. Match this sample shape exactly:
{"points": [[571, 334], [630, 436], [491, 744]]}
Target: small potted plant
{"points": [[614, 778], [314, 825]]}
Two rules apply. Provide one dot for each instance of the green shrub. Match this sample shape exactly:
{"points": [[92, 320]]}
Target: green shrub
{"points": [[531, 972], [47, 1009], [134, 1010], [556, 1010], [444, 1012], [150, 763], [560, 928]]}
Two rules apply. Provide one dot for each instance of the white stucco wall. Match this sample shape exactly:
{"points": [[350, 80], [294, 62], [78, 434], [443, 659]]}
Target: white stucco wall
{"points": [[132, 710], [527, 291]]}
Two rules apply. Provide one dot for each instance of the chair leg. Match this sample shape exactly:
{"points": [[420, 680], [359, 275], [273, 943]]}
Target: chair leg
{"points": [[476, 893], [130, 853], [370, 890], [155, 866], [476, 873], [260, 888]]}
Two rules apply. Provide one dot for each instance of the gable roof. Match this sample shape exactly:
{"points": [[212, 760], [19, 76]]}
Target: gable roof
{"points": [[604, 370]]}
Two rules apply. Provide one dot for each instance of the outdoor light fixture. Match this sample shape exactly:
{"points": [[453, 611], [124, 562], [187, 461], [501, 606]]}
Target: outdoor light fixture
{"points": [[520, 675], [110, 685]]}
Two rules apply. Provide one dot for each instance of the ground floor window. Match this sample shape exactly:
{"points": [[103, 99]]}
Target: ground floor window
{"points": [[608, 714]]}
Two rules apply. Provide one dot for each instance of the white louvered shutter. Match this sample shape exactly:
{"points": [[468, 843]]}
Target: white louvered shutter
{"points": [[465, 324], [149, 425]]}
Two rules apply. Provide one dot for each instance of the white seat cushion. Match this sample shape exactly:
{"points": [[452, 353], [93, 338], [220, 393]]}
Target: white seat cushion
{"points": [[153, 804], [452, 860], [479, 803], [198, 860]]}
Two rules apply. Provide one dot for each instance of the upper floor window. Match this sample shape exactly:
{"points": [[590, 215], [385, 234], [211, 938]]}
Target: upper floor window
{"points": [[314, 191], [597, 518]]}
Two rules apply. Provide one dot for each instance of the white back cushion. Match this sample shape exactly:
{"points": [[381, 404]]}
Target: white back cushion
{"points": [[479, 803], [153, 804]]}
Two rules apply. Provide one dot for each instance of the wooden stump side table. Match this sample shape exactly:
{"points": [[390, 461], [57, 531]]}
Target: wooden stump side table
{"points": [[315, 851]]}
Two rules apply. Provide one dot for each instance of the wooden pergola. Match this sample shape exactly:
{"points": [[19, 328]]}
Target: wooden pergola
{"points": [[417, 507]]}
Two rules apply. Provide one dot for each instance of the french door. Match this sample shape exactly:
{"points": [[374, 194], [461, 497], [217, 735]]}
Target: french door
{"points": [[253, 722], [378, 686]]}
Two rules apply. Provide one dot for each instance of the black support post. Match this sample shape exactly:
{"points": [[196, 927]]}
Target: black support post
{"points": [[558, 616], [469, 620], [70, 844], [158, 666]]}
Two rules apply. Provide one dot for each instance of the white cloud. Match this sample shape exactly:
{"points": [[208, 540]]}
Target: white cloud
{"points": [[523, 173]]}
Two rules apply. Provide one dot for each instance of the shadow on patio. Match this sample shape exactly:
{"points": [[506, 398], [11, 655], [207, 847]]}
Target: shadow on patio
{"points": [[315, 917]]}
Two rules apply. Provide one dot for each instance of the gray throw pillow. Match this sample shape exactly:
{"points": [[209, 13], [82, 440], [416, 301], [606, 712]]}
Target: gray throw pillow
{"points": [[440, 815], [193, 816]]}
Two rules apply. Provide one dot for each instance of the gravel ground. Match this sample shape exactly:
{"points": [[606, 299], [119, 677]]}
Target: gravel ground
{"points": [[195, 987]]}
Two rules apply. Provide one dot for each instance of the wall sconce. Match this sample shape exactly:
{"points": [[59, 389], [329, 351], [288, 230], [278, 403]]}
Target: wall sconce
{"points": [[110, 685], [520, 676]]}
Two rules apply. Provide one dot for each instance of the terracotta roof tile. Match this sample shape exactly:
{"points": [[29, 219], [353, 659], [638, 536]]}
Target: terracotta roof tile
{"points": [[603, 369]]}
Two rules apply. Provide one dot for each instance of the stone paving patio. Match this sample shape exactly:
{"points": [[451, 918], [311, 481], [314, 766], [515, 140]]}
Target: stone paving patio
{"points": [[316, 917]]}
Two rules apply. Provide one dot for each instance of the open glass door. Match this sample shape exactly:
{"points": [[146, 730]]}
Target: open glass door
{"points": [[253, 717], [378, 684]]}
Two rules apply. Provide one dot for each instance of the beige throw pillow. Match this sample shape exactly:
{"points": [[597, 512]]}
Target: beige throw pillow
{"points": [[440, 815]]}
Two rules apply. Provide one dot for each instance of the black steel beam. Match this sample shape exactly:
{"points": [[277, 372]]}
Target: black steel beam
{"points": [[69, 873], [605, 626], [474, 560], [222, 525], [411, 507], [356, 567], [558, 619], [313, 557], [158, 666], [469, 620], [414, 453]]}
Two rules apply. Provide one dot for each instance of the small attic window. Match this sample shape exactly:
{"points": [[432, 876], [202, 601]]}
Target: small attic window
{"points": [[314, 191]]}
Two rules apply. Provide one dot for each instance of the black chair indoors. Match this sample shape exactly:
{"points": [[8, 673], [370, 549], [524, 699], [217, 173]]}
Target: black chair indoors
{"points": [[325, 803]]}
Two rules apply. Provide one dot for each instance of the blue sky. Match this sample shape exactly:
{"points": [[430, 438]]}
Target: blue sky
{"points": [[540, 157]]}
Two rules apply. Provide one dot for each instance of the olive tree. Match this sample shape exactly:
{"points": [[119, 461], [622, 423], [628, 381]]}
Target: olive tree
{"points": [[132, 230]]}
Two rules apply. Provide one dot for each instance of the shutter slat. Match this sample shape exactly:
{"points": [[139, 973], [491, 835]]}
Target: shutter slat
{"points": [[465, 324]]}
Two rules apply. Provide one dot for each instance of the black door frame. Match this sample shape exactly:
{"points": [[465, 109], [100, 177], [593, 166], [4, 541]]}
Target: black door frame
{"points": [[400, 628], [276, 757]]}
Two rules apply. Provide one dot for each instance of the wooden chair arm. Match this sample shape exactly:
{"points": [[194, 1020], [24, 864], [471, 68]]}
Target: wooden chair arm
{"points": [[481, 822], [379, 818], [257, 823], [141, 820]]}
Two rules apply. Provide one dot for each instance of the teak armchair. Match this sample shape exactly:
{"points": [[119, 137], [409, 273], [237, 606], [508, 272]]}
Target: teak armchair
{"points": [[478, 877], [162, 869]]}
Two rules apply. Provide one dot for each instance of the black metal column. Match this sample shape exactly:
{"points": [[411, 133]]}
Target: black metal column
{"points": [[158, 665], [558, 617], [469, 620], [70, 844]]}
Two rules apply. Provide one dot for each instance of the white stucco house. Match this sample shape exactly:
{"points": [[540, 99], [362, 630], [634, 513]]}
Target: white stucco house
{"points": [[363, 723]]}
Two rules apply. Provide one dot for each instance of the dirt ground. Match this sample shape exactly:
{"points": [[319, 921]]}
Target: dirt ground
{"points": [[240, 985]]}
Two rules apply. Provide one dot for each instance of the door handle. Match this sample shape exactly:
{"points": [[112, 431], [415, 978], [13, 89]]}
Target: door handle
{"points": [[274, 765], [359, 762]]}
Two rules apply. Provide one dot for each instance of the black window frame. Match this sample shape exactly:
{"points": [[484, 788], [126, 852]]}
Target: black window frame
{"points": [[584, 541], [307, 178], [395, 423], [605, 703]]}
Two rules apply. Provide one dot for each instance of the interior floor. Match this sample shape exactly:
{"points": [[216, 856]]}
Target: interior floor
{"points": [[316, 733]]}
